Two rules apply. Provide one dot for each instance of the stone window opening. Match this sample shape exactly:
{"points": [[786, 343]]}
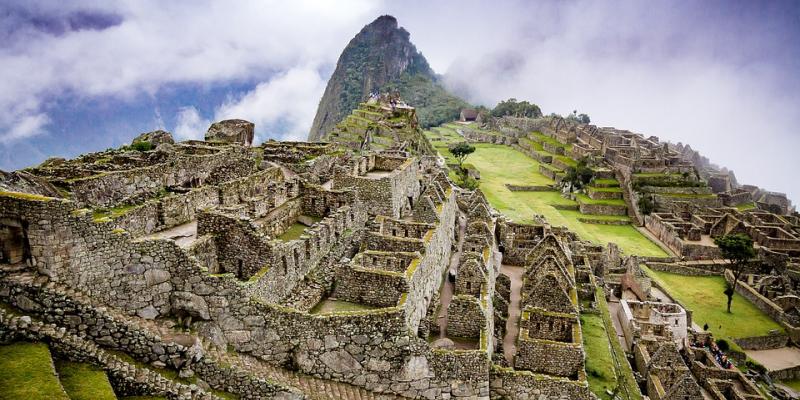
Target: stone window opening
{"points": [[285, 264], [239, 268], [14, 245]]}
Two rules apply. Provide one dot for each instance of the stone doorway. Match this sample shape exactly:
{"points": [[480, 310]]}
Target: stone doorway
{"points": [[14, 246]]}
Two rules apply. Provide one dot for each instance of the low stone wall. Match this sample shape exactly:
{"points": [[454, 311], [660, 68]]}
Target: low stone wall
{"points": [[602, 209], [511, 384], [786, 374], [763, 342], [708, 270]]}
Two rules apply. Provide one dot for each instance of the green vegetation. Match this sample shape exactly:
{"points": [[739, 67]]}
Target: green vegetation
{"points": [[26, 372], [102, 214], [606, 182], [625, 381], [738, 249], [703, 295], [141, 146], [294, 232], [794, 384], [517, 109], [746, 206], [599, 362], [578, 173], [84, 381], [519, 169]]}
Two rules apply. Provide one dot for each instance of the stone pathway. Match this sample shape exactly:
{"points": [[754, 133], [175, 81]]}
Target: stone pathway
{"points": [[183, 235], [514, 311]]}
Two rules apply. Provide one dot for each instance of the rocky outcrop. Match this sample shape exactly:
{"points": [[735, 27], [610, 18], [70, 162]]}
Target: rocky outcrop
{"points": [[155, 138], [231, 131]]}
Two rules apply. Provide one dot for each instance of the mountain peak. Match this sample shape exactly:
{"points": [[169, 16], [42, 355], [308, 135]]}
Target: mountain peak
{"points": [[380, 57]]}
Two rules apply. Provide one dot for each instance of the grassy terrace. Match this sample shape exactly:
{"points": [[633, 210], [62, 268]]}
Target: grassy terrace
{"points": [[84, 381], [599, 361], [704, 296], [26, 372], [746, 206], [611, 202], [500, 165]]}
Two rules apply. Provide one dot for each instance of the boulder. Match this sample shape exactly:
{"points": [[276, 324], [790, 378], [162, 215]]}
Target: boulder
{"points": [[231, 131], [444, 343], [155, 138], [185, 303]]}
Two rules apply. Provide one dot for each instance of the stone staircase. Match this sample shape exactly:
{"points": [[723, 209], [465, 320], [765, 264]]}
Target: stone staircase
{"points": [[313, 387]]}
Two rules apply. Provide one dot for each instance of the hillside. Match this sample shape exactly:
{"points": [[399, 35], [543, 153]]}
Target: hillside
{"points": [[379, 58]]}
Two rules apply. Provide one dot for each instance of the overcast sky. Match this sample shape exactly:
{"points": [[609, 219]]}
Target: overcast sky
{"points": [[721, 76]]}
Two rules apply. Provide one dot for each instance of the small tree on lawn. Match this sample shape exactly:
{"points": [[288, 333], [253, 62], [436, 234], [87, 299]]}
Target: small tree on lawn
{"points": [[738, 249], [460, 151]]}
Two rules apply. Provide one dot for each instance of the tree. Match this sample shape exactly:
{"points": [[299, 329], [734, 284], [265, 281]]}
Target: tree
{"points": [[460, 151], [517, 109], [737, 248], [579, 175], [580, 118]]}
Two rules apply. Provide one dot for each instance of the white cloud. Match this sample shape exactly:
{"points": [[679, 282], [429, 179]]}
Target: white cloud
{"points": [[190, 125], [158, 43], [283, 107], [24, 127]]}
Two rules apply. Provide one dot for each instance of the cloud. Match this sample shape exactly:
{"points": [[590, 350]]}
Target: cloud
{"points": [[26, 126], [87, 49], [282, 108], [190, 125]]}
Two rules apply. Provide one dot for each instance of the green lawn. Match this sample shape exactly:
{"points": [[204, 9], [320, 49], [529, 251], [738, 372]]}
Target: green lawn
{"points": [[704, 296], [499, 165], [84, 381], [610, 202], [26, 372], [599, 362]]}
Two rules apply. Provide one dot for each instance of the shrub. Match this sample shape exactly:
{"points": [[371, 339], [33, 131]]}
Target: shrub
{"points": [[142, 146], [646, 204]]}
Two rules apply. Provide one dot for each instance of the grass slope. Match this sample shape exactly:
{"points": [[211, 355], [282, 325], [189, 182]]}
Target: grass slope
{"points": [[704, 296], [500, 164], [599, 362], [26, 372], [84, 381]]}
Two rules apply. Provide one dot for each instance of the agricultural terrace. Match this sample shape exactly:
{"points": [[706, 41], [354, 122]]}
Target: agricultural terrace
{"points": [[500, 165], [704, 296]]}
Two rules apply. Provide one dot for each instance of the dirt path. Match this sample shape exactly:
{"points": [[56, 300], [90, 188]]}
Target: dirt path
{"points": [[514, 311]]}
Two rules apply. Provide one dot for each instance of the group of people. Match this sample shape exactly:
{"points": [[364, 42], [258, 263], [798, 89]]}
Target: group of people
{"points": [[718, 354]]}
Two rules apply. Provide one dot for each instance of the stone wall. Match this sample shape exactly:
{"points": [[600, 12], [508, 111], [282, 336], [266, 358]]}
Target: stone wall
{"points": [[465, 317], [508, 383]]}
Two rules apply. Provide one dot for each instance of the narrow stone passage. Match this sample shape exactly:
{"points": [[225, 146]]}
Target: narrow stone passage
{"points": [[447, 287], [514, 311]]}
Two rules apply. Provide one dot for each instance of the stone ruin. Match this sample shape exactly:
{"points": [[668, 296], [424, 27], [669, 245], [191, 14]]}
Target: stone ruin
{"points": [[285, 270]]}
